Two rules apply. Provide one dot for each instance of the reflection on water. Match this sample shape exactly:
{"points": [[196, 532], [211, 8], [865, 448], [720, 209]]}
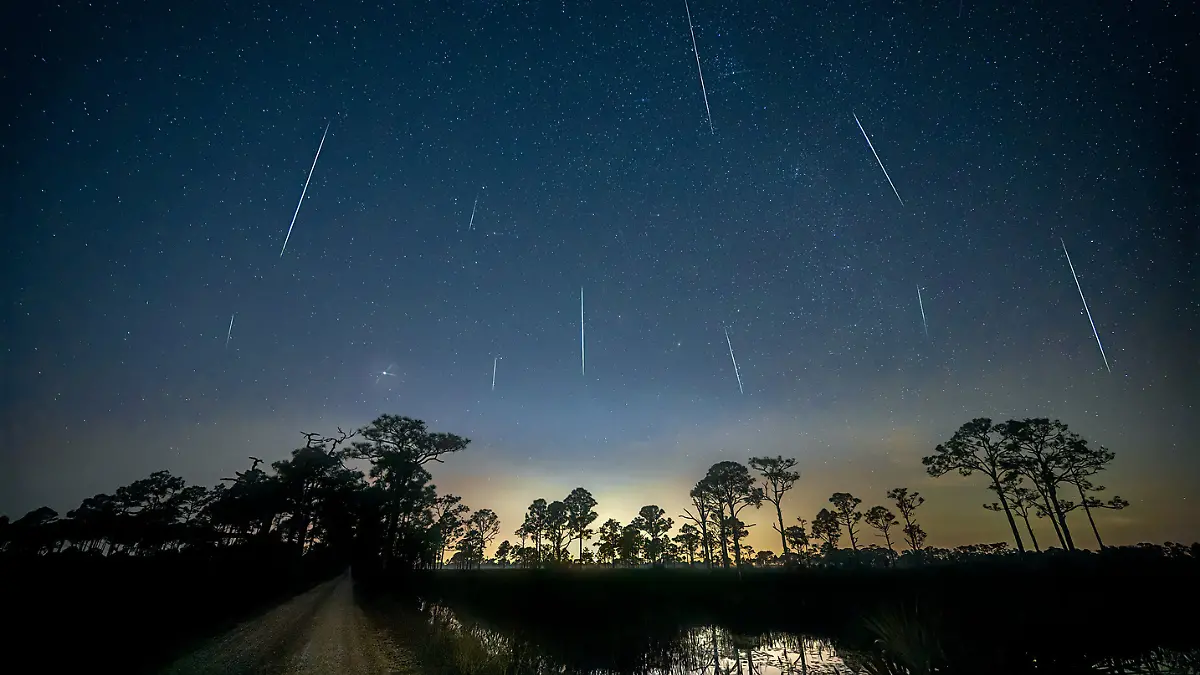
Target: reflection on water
{"points": [[470, 647]]}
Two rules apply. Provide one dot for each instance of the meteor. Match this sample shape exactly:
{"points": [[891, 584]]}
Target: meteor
{"points": [[304, 191], [872, 146], [696, 51], [922, 304], [1085, 305], [736, 371]]}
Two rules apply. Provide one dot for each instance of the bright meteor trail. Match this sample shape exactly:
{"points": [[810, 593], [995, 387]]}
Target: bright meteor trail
{"points": [[1085, 305], [582, 354], [305, 190], [229, 333], [922, 304], [737, 372], [696, 51], [872, 146]]}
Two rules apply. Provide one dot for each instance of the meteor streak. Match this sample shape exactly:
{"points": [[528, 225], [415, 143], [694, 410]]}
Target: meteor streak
{"points": [[737, 372], [922, 304], [471, 225], [582, 353], [495, 362], [229, 333], [1085, 305], [304, 191], [696, 51], [872, 146]]}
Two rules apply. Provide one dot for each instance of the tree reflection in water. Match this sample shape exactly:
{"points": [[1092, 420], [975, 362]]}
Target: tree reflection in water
{"points": [[469, 647]]}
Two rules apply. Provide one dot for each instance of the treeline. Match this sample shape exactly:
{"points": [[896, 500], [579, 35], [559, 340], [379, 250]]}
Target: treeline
{"points": [[392, 517], [1032, 466], [311, 503]]}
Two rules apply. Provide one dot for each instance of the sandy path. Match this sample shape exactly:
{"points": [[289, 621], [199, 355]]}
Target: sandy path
{"points": [[320, 631]]}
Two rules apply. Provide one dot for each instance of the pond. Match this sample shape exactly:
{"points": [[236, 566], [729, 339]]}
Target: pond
{"points": [[454, 643]]}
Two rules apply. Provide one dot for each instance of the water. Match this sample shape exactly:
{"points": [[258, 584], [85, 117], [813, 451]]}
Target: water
{"points": [[471, 647]]}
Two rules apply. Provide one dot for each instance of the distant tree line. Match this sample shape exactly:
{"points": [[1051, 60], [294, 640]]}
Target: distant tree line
{"points": [[392, 517], [1032, 466]]}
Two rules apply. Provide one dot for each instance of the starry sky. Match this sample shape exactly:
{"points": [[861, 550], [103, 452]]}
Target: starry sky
{"points": [[153, 155]]}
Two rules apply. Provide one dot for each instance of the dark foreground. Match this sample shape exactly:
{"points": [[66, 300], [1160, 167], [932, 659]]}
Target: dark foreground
{"points": [[1118, 612]]}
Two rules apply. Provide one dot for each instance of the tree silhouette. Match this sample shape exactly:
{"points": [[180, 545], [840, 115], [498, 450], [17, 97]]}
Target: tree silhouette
{"points": [[1021, 500], [557, 530], [1049, 454], [778, 478], [844, 509], [1089, 502], [907, 505], [733, 489], [978, 446], [535, 525], [631, 544], [449, 526], [704, 505], [798, 537], [398, 448], [689, 541], [608, 544], [827, 528], [504, 550], [653, 522], [880, 518], [580, 515]]}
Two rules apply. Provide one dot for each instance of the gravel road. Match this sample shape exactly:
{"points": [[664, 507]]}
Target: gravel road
{"points": [[320, 631]]}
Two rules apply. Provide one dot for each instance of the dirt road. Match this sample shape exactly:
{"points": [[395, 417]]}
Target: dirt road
{"points": [[321, 631]]}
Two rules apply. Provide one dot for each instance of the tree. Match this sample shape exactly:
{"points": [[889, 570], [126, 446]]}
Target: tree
{"points": [[398, 448], [978, 446], [907, 505], [797, 537], [733, 489], [1049, 454], [705, 506], [880, 518], [652, 521], [608, 546], [486, 523], [503, 551], [689, 541], [1088, 503], [557, 530], [827, 528], [844, 509], [580, 515], [448, 512], [778, 478], [535, 525], [1021, 500], [631, 544]]}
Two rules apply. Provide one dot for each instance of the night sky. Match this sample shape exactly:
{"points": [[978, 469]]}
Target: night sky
{"points": [[153, 155]]}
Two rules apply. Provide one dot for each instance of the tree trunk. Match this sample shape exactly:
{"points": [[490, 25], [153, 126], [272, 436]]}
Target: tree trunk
{"points": [[1032, 536], [782, 538], [705, 540], [581, 548], [1066, 531], [1083, 501], [1012, 524], [1053, 520], [724, 541]]}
